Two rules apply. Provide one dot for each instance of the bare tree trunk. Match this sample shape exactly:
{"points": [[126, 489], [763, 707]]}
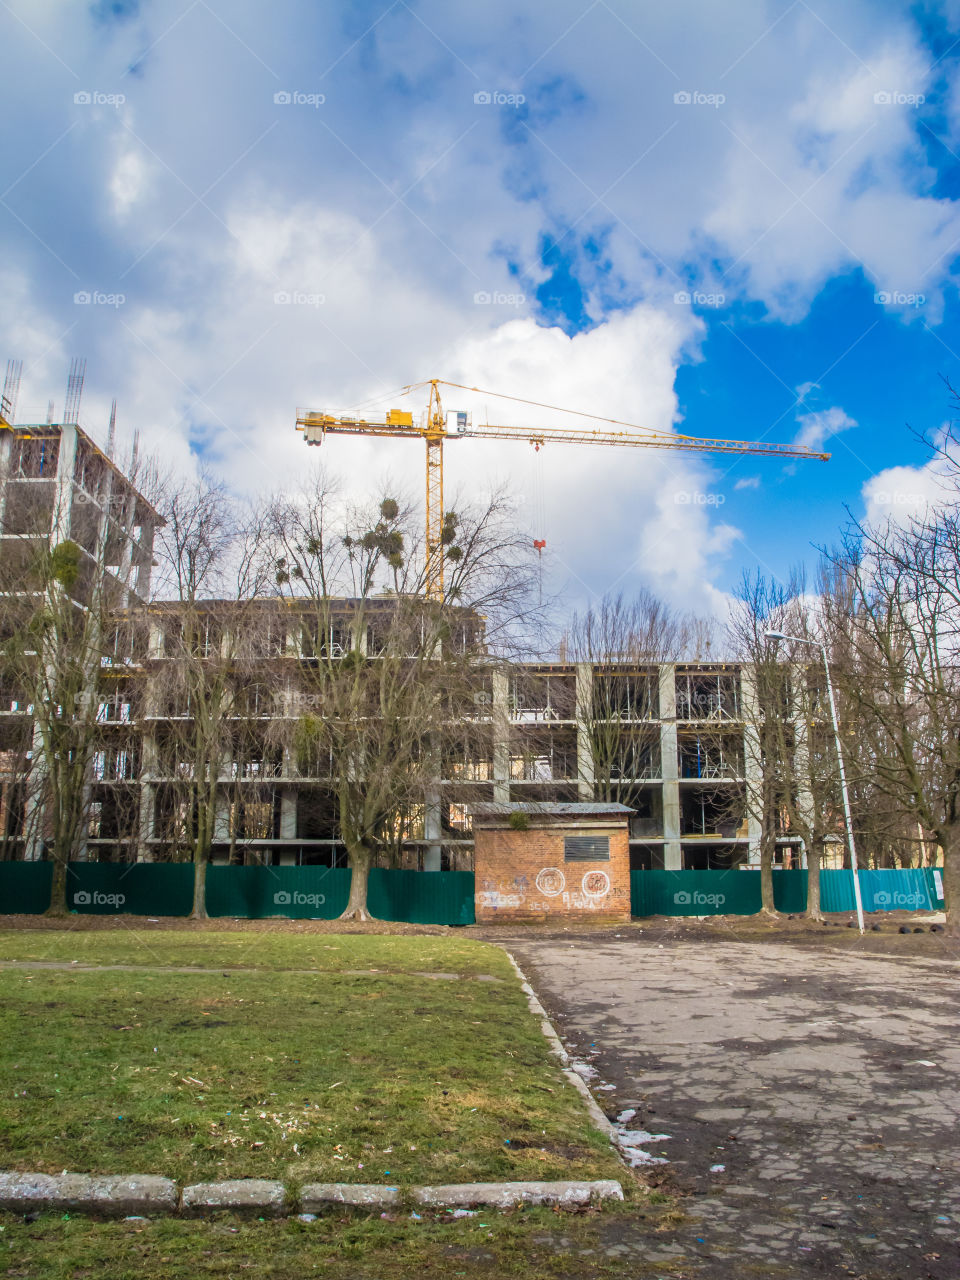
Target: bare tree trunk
{"points": [[950, 842], [199, 911], [767, 847], [58, 888], [360, 858], [813, 911]]}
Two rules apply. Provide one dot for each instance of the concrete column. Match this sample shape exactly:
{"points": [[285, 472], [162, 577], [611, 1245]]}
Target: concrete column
{"points": [[155, 644], [752, 766], [221, 822], [432, 829], [148, 794], [63, 499], [145, 850], [585, 771], [6, 463], [669, 768], [501, 737], [145, 567], [288, 813]]}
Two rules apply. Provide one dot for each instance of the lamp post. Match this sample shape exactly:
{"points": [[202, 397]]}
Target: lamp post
{"points": [[778, 635]]}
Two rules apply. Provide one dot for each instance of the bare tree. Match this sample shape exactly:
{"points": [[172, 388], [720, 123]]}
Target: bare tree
{"points": [[789, 737], [382, 669], [899, 619], [623, 642], [211, 658]]}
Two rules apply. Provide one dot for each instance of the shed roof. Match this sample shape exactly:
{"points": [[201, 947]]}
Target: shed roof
{"points": [[549, 809]]}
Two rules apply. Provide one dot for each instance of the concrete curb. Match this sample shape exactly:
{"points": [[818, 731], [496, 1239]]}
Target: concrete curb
{"points": [[143, 1194], [547, 1027], [504, 1195], [132, 1193], [242, 1195], [316, 1196]]}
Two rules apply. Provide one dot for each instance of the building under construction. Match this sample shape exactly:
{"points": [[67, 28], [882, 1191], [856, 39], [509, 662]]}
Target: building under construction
{"points": [[668, 740]]}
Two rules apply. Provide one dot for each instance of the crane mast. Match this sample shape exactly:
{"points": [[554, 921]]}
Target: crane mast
{"points": [[435, 428]]}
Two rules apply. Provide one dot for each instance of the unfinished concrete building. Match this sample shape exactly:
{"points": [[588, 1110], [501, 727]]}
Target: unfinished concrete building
{"points": [[58, 486]]}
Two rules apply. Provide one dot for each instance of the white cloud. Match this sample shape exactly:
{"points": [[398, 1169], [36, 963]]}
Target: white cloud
{"points": [[817, 427], [899, 494], [400, 198]]}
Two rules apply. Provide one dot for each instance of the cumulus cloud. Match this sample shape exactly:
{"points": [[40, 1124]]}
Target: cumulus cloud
{"points": [[817, 427], [311, 205]]}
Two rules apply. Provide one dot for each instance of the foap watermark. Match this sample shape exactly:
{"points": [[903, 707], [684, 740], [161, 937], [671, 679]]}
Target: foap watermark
{"points": [[294, 98], [497, 98], [694, 98], [297, 899], [897, 298], [497, 299], [297, 298], [683, 298], [94, 298], [695, 498], [892, 498], [94, 898], [894, 98], [907, 901], [688, 898], [94, 98]]}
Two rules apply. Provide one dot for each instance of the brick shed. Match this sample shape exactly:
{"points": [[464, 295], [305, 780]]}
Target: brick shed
{"points": [[552, 861]]}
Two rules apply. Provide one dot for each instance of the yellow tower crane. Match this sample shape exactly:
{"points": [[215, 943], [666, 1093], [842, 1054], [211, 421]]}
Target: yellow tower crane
{"points": [[438, 425]]}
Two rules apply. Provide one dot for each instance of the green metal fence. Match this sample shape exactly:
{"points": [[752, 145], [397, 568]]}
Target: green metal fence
{"points": [[737, 893], [422, 897], [427, 897], [298, 893], [919, 889], [25, 887], [130, 888]]}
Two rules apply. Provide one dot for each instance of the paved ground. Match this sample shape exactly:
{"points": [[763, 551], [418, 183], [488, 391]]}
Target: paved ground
{"points": [[827, 1085]]}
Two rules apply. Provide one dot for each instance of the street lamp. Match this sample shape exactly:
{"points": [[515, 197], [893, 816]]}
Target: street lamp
{"points": [[778, 635]]}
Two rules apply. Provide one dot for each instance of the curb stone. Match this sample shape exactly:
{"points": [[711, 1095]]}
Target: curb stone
{"points": [[320, 1195], [134, 1193], [141, 1194], [243, 1195], [504, 1195]]}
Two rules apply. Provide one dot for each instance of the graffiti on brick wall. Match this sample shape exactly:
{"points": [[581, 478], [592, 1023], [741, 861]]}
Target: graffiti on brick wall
{"points": [[595, 884], [551, 881]]}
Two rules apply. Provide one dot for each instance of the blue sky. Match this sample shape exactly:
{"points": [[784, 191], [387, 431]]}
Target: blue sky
{"points": [[311, 205]]}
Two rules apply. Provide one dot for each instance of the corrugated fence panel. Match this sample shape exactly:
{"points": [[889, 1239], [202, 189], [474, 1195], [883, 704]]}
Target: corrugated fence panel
{"points": [[422, 897], [789, 891], [298, 893], [135, 888], [25, 887], [711, 893], [694, 893]]}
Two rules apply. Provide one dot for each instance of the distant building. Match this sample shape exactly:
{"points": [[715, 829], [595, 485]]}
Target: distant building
{"points": [[56, 486]]}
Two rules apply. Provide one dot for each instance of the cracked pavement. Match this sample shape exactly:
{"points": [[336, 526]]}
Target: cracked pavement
{"points": [[826, 1085]]}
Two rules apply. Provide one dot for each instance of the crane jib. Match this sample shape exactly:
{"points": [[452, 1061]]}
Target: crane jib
{"points": [[437, 425]]}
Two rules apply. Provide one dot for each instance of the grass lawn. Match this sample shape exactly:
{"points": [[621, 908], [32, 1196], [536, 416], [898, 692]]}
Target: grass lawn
{"points": [[384, 1077], [142, 944], [537, 1244]]}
